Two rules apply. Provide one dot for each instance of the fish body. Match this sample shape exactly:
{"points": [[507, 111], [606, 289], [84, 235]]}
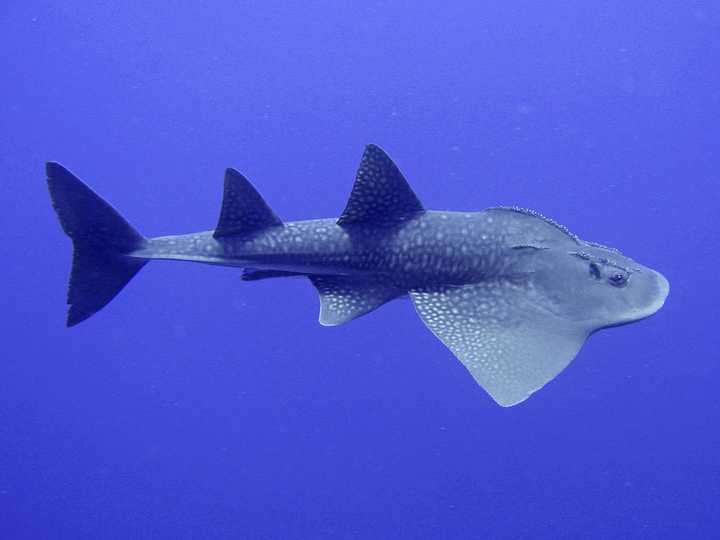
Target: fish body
{"points": [[512, 294]]}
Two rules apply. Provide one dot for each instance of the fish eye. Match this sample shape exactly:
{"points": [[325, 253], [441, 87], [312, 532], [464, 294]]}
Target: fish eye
{"points": [[595, 270], [618, 279]]}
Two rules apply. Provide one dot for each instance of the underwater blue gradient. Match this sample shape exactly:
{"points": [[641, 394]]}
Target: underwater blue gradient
{"points": [[199, 406]]}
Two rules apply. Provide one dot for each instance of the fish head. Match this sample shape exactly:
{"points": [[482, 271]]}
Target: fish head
{"points": [[598, 285]]}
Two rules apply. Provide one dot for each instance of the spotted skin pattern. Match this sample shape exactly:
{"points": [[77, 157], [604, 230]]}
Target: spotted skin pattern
{"points": [[243, 209], [497, 333], [431, 248], [343, 298], [380, 192], [510, 292]]}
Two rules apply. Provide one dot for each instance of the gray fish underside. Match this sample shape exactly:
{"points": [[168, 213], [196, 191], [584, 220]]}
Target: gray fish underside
{"points": [[510, 345]]}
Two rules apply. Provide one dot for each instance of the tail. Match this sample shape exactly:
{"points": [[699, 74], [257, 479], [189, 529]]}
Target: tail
{"points": [[101, 239]]}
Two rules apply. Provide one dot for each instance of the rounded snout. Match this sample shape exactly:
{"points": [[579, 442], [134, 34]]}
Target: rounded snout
{"points": [[663, 289], [652, 296]]}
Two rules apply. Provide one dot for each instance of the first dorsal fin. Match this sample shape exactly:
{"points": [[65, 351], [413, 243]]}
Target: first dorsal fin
{"points": [[243, 209], [380, 193]]}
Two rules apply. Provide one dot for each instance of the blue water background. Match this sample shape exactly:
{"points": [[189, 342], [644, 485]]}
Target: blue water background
{"points": [[200, 406]]}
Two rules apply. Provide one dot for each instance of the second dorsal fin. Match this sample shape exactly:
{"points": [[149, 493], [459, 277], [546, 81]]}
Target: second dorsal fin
{"points": [[243, 209], [380, 193]]}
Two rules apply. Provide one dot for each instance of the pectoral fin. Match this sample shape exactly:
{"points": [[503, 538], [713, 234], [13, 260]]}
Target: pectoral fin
{"points": [[510, 344]]}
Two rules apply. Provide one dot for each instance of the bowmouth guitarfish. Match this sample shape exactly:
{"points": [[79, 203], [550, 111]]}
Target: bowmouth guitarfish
{"points": [[511, 293]]}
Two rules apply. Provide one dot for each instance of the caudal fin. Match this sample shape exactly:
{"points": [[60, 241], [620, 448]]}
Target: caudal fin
{"points": [[101, 239]]}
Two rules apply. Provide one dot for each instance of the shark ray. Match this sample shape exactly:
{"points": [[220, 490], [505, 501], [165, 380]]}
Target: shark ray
{"points": [[512, 293]]}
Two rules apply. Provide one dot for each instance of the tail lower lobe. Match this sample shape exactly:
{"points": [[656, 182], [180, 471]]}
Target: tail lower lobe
{"points": [[101, 240]]}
